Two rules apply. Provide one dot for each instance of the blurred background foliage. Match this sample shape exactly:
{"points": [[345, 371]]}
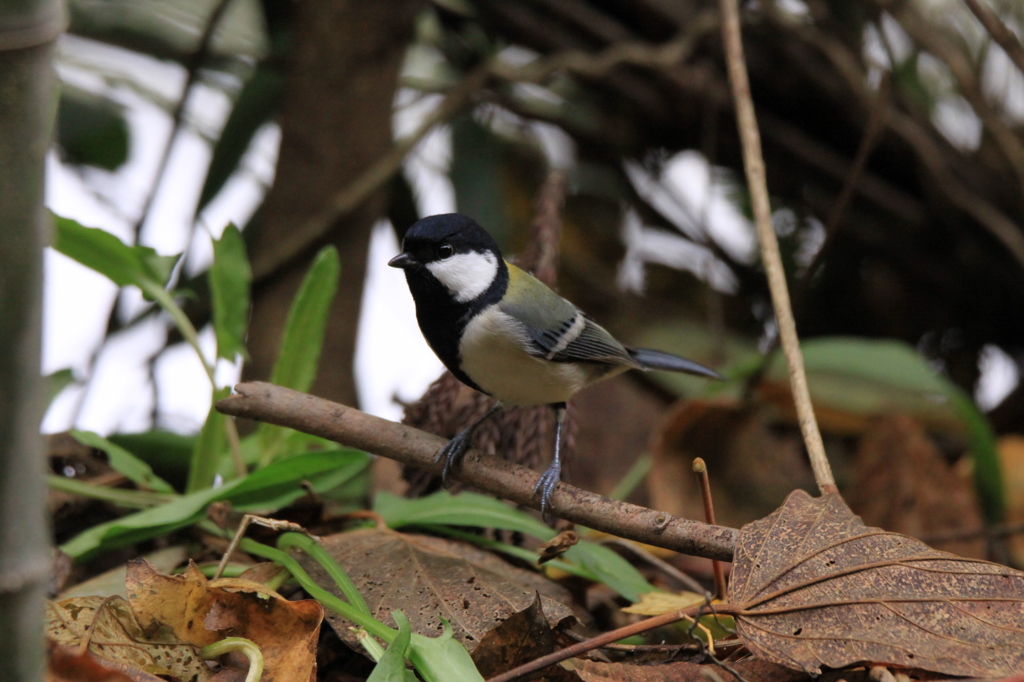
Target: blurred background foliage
{"points": [[894, 140]]}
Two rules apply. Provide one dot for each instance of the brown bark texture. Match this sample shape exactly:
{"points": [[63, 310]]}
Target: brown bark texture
{"points": [[335, 122]]}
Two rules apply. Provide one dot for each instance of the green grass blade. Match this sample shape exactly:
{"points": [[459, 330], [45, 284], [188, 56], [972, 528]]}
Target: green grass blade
{"points": [[125, 462], [302, 340], [210, 447]]}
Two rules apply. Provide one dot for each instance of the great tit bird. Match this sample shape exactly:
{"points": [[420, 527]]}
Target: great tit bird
{"points": [[502, 332]]}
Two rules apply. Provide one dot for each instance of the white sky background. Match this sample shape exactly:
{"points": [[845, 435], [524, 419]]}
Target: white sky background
{"points": [[392, 360]]}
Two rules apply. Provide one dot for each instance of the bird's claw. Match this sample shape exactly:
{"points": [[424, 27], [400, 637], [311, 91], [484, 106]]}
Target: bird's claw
{"points": [[546, 486], [452, 454]]}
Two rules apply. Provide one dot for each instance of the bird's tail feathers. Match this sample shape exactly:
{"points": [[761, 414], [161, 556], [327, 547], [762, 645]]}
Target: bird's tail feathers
{"points": [[656, 359]]}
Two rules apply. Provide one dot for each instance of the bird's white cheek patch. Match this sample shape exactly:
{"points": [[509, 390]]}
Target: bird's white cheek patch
{"points": [[466, 275]]}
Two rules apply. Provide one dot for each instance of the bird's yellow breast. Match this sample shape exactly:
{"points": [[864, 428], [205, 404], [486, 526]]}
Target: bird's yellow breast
{"points": [[493, 355]]}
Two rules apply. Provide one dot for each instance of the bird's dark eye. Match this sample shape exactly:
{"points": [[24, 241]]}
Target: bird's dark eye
{"points": [[445, 251]]}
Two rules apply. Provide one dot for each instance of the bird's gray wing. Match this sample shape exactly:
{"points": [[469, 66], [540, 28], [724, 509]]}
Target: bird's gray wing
{"points": [[557, 330]]}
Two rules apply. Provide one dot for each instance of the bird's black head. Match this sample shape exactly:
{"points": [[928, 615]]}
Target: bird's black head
{"points": [[450, 251]]}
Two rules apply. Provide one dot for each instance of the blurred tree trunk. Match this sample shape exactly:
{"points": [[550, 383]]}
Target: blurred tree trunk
{"points": [[336, 121], [28, 98]]}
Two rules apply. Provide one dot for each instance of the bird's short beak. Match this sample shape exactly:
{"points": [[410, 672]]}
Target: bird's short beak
{"points": [[403, 260]]}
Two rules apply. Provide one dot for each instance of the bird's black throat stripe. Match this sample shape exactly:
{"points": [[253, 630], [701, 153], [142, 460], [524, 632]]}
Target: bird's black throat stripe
{"points": [[442, 319]]}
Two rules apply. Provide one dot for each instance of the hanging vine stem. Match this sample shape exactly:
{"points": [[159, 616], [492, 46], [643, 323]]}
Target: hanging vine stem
{"points": [[753, 164]]}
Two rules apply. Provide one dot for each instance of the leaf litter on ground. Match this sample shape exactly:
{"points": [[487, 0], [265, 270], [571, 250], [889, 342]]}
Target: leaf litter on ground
{"points": [[433, 580], [166, 620], [201, 612]]}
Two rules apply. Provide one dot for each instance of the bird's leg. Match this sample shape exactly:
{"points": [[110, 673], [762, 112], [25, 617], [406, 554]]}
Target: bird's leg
{"points": [[455, 449], [549, 479]]}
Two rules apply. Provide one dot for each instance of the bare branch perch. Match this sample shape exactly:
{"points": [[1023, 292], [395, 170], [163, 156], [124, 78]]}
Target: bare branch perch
{"points": [[348, 426]]}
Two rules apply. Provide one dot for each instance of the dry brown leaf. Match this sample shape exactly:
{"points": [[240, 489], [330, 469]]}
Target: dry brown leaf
{"points": [[1011, 455], [111, 582], [813, 586], [752, 670], [902, 483], [429, 579], [202, 612], [114, 635], [520, 638], [657, 603], [557, 546], [751, 464], [70, 664]]}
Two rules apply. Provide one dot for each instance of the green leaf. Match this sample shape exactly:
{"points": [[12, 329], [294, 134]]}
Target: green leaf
{"points": [[210, 447], [277, 482], [261, 492], [472, 509], [125, 462], [127, 265], [257, 103], [304, 331], [464, 509], [167, 452], [91, 130], [884, 376], [106, 254], [391, 666], [610, 569], [57, 382], [442, 659], [230, 279], [302, 340]]}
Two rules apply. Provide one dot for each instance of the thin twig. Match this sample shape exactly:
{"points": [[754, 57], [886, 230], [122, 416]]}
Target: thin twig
{"points": [[701, 470], [999, 32], [273, 524], [753, 163], [595, 643], [192, 65], [350, 427]]}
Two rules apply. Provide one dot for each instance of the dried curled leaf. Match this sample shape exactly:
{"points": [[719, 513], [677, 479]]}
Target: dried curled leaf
{"points": [[201, 612], [813, 586], [111, 632]]}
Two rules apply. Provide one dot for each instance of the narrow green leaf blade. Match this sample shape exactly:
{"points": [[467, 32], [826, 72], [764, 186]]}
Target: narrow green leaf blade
{"points": [[473, 509], [610, 568], [262, 491], [269, 484], [881, 376], [230, 278], [391, 666], [98, 250], [304, 331], [125, 462], [443, 659], [302, 340], [106, 254], [211, 446], [464, 509]]}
